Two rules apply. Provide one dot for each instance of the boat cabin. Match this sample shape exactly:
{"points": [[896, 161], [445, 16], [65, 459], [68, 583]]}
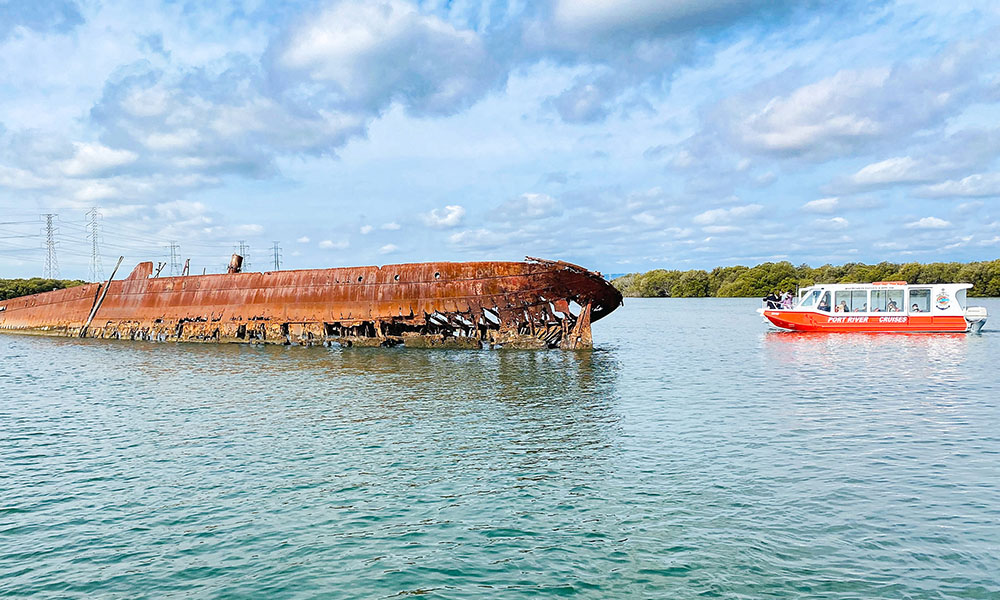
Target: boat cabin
{"points": [[883, 297]]}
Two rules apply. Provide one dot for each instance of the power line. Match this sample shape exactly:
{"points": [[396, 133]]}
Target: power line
{"points": [[277, 256], [244, 251], [96, 268], [83, 242], [51, 270], [174, 259]]}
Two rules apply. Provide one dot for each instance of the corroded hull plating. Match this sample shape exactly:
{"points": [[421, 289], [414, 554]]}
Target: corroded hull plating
{"points": [[531, 304]]}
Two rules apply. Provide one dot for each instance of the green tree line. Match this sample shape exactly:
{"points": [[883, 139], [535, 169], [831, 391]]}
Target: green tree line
{"points": [[12, 288], [783, 276]]}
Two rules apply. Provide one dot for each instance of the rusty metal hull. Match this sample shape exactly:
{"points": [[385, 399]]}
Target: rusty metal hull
{"points": [[531, 304]]}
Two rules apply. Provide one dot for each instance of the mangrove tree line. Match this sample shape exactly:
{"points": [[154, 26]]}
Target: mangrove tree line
{"points": [[12, 288], [783, 276]]}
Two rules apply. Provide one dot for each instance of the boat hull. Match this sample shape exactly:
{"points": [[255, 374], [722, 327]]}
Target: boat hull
{"points": [[513, 304], [881, 322]]}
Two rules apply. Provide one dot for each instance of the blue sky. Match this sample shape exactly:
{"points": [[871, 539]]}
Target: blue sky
{"points": [[672, 133]]}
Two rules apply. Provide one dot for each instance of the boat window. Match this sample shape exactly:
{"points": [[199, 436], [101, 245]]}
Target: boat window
{"points": [[809, 300], [960, 296], [842, 302], [887, 301], [859, 301], [824, 302], [850, 301], [920, 300]]}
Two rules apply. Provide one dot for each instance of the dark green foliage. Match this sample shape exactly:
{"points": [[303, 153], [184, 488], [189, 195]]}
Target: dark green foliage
{"points": [[13, 288], [755, 281]]}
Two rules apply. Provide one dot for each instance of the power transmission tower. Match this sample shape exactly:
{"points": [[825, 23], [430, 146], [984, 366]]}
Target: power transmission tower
{"points": [[96, 269], [277, 256], [174, 258], [51, 264], [244, 251]]}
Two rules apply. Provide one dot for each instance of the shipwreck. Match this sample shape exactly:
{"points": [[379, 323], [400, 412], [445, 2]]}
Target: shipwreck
{"points": [[531, 304]]}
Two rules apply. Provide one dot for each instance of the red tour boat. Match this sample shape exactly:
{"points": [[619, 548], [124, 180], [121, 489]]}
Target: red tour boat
{"points": [[879, 306]]}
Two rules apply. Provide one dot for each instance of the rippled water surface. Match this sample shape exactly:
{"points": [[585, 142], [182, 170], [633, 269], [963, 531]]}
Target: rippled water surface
{"points": [[694, 453]]}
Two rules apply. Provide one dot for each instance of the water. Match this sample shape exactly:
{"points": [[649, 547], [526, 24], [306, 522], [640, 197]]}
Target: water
{"points": [[693, 454]]}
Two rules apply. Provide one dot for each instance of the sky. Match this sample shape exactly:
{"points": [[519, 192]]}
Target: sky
{"points": [[622, 136]]}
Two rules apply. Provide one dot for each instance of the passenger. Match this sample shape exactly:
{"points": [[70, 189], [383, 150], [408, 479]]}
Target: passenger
{"points": [[843, 307], [824, 303], [771, 300], [864, 307], [914, 308], [786, 300], [891, 307]]}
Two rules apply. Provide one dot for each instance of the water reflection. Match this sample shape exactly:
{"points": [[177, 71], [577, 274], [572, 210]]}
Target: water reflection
{"points": [[535, 392], [696, 455], [863, 349]]}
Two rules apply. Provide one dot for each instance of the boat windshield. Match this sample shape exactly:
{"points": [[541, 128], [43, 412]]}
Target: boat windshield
{"points": [[809, 299]]}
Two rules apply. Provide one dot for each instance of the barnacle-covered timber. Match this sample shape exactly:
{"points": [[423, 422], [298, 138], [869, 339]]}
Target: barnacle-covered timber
{"points": [[532, 304]]}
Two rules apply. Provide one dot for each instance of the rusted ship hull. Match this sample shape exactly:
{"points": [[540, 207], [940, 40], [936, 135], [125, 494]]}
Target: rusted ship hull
{"points": [[531, 304]]}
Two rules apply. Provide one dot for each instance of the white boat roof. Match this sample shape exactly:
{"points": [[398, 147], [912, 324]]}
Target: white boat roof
{"points": [[881, 285]]}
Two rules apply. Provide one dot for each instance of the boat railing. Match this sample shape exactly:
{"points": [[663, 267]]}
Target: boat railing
{"points": [[775, 305]]}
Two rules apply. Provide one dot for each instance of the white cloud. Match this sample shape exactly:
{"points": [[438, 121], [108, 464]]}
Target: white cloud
{"points": [[372, 53], [822, 205], [726, 215], [530, 206], [929, 223], [818, 113], [969, 207], [390, 226], [981, 185], [478, 239], [303, 240], [577, 23], [178, 210], [366, 229], [179, 139], [21, 179], [962, 242], [332, 245], [832, 224], [900, 169], [95, 190], [854, 108], [444, 218], [94, 158], [217, 119], [388, 249]]}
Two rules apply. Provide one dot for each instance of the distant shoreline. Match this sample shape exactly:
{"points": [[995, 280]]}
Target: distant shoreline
{"points": [[15, 288], [759, 280]]}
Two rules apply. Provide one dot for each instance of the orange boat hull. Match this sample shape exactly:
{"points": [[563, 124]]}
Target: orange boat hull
{"points": [[887, 322]]}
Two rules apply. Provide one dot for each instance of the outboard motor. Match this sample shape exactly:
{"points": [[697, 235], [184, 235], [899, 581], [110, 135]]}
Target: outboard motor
{"points": [[976, 316]]}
